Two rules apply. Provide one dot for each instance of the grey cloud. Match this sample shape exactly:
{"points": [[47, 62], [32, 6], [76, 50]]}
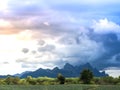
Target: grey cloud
{"points": [[117, 58], [21, 60], [28, 66], [81, 50], [25, 50], [5, 62], [111, 45], [48, 48], [98, 49], [34, 52], [41, 42], [68, 40]]}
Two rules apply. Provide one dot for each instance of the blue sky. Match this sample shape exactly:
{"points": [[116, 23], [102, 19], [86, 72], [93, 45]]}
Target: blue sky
{"points": [[50, 33]]}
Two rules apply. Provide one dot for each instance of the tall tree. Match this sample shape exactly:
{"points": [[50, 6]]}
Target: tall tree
{"points": [[86, 76], [61, 78]]}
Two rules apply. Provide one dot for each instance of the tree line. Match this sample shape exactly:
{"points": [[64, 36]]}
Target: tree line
{"points": [[86, 77]]}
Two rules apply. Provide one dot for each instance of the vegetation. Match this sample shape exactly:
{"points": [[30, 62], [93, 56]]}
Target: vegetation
{"points": [[86, 76], [61, 78], [60, 87]]}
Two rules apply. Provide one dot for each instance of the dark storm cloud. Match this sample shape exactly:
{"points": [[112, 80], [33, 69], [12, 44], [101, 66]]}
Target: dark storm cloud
{"points": [[111, 44], [117, 58]]}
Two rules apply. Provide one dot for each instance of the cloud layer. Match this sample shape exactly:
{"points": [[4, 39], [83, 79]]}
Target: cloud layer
{"points": [[52, 33]]}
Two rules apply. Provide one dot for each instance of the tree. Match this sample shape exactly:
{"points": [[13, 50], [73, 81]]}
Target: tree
{"points": [[61, 78], [86, 76], [31, 81], [16, 80], [9, 80]]}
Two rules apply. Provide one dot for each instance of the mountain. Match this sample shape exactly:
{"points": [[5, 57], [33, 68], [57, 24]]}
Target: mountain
{"points": [[5, 76], [19, 75], [68, 71]]}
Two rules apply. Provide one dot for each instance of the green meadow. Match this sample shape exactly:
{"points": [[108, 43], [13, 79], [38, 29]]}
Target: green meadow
{"points": [[60, 87]]}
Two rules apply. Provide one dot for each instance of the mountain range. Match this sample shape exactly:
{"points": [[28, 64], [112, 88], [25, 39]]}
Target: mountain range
{"points": [[68, 71]]}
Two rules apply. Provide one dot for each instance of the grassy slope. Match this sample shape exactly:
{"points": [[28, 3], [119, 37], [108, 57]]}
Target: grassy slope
{"points": [[60, 87]]}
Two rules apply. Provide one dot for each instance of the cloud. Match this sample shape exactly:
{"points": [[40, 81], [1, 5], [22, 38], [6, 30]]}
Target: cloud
{"points": [[45, 17], [34, 52], [4, 63], [63, 31], [48, 48], [26, 7], [41, 42], [113, 71], [29, 66], [81, 50], [25, 50], [43, 59], [105, 26], [75, 46], [117, 58], [6, 27], [110, 42]]}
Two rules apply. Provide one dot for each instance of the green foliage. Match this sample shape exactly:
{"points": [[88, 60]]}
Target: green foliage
{"points": [[72, 80], [46, 81], [2, 82], [12, 80], [16, 80], [106, 80], [31, 81], [61, 78], [86, 76]]}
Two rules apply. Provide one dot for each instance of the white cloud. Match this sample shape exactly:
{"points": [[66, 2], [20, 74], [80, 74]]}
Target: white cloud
{"points": [[4, 23], [113, 71], [4, 5], [105, 26]]}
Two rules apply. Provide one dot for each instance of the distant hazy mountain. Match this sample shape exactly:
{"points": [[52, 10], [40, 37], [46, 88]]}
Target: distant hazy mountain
{"points": [[19, 75], [3, 76], [68, 71]]}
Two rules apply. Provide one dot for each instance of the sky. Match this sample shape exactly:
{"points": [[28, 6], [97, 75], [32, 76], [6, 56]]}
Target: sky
{"points": [[48, 33]]}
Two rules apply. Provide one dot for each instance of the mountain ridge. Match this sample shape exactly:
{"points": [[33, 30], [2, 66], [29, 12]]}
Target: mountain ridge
{"points": [[68, 71]]}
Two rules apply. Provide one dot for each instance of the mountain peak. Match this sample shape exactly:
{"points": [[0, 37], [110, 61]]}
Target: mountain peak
{"points": [[55, 69], [68, 66], [87, 65], [68, 71]]}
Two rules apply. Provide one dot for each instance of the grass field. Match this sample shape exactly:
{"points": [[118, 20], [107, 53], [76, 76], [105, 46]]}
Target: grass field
{"points": [[60, 87]]}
